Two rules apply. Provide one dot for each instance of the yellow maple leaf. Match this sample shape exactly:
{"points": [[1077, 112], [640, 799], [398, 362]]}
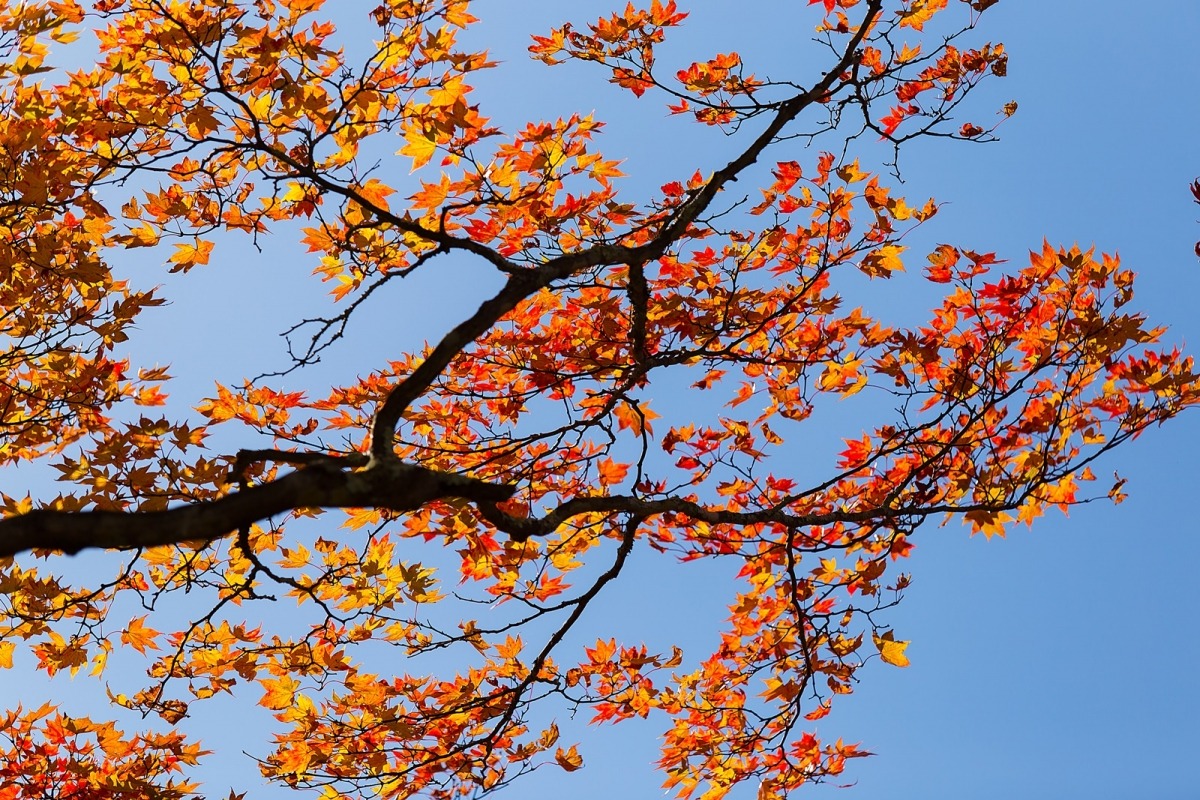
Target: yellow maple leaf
{"points": [[883, 262], [376, 193], [850, 173], [570, 760], [279, 693], [920, 12], [138, 636], [419, 146], [991, 523], [891, 650], [201, 121], [143, 236], [187, 256], [636, 418]]}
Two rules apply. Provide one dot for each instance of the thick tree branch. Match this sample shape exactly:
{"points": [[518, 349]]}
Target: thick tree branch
{"points": [[391, 484], [639, 300]]}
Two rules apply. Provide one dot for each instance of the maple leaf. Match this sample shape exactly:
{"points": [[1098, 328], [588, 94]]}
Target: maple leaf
{"points": [[139, 636], [612, 472], [820, 712], [420, 147], [569, 759], [920, 12], [990, 523], [890, 650], [279, 693], [187, 256]]}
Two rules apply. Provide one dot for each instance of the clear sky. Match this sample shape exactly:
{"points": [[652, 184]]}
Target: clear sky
{"points": [[1059, 662]]}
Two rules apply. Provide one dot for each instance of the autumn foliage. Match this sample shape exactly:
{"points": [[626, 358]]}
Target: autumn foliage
{"points": [[407, 572]]}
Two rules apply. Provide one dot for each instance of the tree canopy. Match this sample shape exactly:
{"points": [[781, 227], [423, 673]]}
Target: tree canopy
{"points": [[402, 567]]}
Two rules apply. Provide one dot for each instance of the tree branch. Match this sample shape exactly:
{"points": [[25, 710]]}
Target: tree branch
{"points": [[391, 484]]}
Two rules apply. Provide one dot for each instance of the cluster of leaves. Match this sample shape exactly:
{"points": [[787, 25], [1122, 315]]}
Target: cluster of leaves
{"points": [[520, 453], [48, 754], [63, 312]]}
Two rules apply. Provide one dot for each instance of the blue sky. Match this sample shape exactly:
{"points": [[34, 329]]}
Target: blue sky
{"points": [[1059, 662]]}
